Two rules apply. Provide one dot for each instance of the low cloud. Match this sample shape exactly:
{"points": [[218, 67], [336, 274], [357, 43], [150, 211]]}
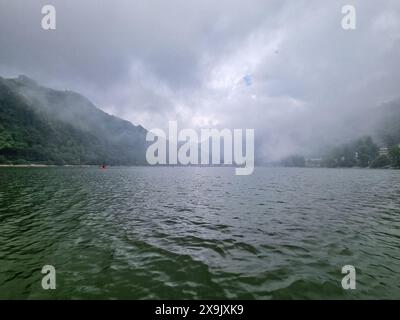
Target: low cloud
{"points": [[285, 68]]}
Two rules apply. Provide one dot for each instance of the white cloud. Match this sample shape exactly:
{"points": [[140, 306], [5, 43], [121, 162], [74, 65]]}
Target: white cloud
{"points": [[285, 68]]}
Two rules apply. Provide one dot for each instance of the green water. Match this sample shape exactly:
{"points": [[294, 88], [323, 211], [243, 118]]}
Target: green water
{"points": [[146, 232]]}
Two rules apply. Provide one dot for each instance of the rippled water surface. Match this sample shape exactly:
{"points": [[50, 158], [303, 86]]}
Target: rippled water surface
{"points": [[146, 232]]}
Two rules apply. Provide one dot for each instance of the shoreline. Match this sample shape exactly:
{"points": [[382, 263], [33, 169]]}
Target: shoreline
{"points": [[158, 166], [43, 165]]}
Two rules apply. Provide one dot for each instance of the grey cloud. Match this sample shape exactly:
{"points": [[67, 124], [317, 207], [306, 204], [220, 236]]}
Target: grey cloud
{"points": [[151, 61]]}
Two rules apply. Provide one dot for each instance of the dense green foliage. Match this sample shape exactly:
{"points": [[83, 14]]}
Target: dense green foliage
{"points": [[361, 153], [394, 154], [41, 125]]}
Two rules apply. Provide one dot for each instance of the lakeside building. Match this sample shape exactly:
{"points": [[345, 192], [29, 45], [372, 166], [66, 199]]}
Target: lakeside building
{"points": [[383, 151], [313, 162]]}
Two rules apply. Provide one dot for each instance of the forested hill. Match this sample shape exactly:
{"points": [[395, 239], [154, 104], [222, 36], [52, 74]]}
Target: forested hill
{"points": [[42, 125], [380, 148]]}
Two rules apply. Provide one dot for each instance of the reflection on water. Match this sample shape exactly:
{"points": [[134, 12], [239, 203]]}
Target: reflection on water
{"points": [[146, 232]]}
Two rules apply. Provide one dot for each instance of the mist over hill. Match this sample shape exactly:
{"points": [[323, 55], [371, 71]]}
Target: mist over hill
{"points": [[42, 125], [376, 145]]}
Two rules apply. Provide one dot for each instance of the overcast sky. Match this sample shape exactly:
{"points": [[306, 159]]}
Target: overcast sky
{"points": [[285, 68]]}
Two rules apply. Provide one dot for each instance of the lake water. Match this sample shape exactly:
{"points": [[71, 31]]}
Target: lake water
{"points": [[148, 232]]}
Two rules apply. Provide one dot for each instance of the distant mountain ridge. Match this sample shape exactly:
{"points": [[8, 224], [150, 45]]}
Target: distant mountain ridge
{"points": [[42, 125]]}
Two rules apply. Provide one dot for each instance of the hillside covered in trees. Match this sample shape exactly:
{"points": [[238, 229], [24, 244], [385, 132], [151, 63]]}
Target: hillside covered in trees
{"points": [[42, 125], [380, 149], [45, 126], [363, 152]]}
